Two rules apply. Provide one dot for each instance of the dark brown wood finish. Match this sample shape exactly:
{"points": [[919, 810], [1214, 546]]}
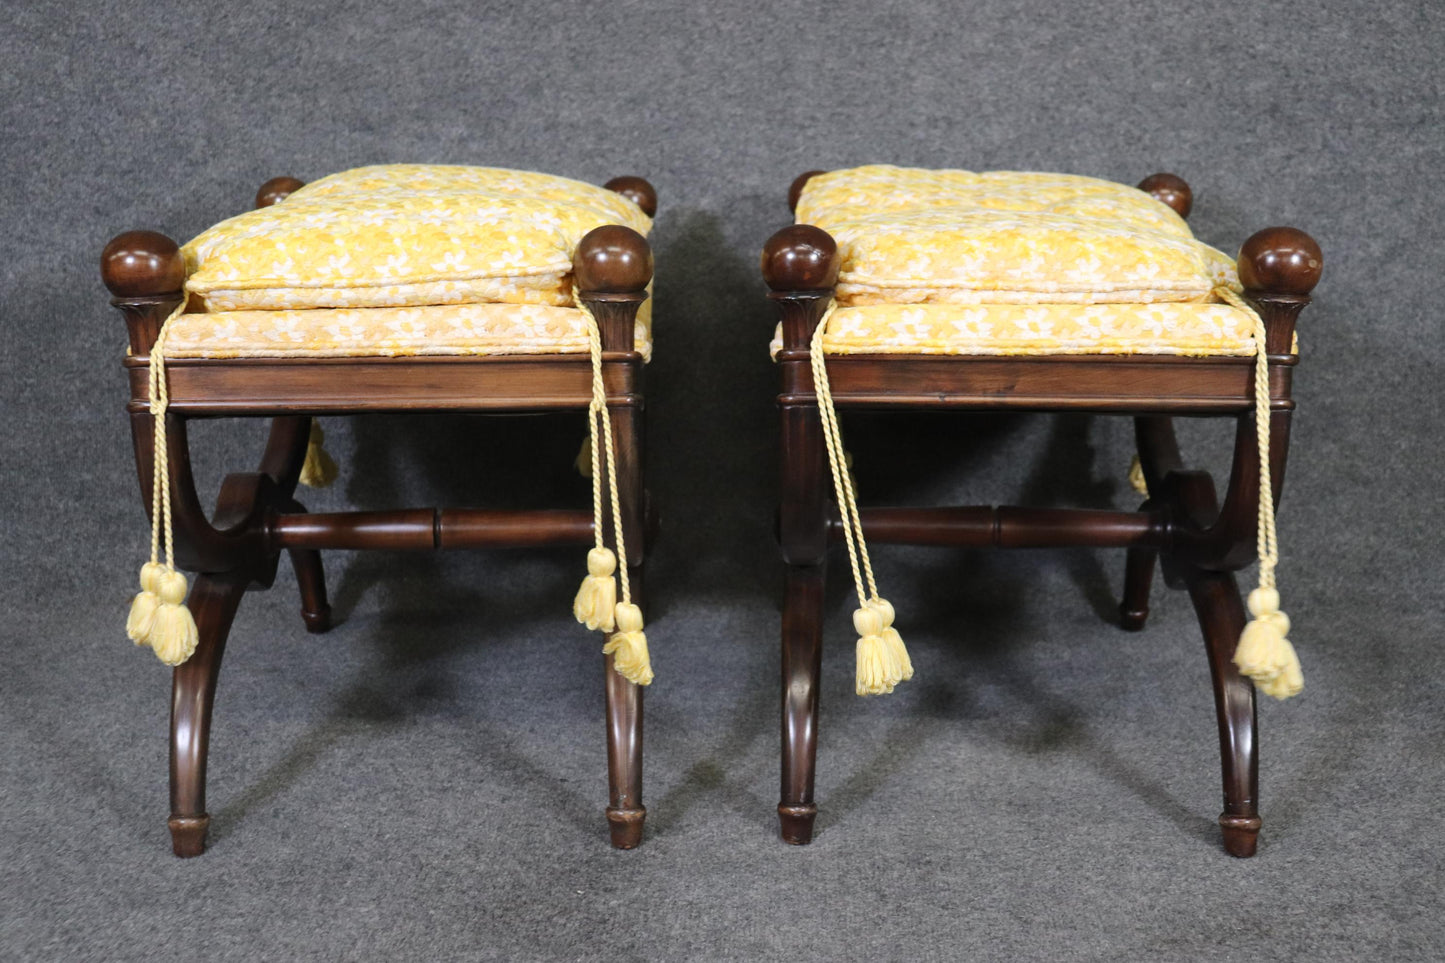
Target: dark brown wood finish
{"points": [[1171, 190], [277, 189], [1200, 541], [257, 515], [637, 190]]}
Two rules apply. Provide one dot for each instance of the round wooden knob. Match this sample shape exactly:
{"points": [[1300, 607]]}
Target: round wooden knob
{"points": [[139, 264], [795, 189], [612, 259], [800, 257], [1280, 260], [1171, 189], [277, 189], [637, 190]]}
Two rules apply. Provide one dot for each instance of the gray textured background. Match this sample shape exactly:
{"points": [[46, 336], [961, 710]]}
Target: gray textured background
{"points": [[427, 781]]}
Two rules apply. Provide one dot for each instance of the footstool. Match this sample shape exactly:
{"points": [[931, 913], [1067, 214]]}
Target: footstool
{"points": [[395, 288], [902, 289]]}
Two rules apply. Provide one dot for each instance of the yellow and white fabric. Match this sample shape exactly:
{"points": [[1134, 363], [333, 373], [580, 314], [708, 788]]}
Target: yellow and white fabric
{"points": [[400, 260], [401, 235], [1017, 263], [472, 330]]}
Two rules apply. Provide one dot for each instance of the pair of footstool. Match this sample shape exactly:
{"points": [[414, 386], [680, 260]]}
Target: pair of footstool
{"points": [[423, 288]]}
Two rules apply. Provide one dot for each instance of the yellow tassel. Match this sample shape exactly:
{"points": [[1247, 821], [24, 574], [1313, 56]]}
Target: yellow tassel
{"points": [[1264, 652], [878, 668], [597, 598], [897, 651], [319, 469], [583, 461], [628, 646], [172, 633], [143, 606], [1136, 477]]}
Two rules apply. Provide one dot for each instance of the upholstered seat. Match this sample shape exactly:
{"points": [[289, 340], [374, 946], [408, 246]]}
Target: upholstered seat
{"points": [[400, 260], [1010, 263], [436, 329], [403, 235]]}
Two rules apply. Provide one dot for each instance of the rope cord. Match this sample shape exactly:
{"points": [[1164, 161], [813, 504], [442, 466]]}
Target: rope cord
{"points": [[597, 411], [837, 462], [1267, 536], [159, 391]]}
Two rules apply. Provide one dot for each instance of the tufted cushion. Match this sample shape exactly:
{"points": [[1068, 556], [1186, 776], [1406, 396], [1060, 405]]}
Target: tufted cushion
{"points": [[405, 235], [909, 236], [444, 329]]}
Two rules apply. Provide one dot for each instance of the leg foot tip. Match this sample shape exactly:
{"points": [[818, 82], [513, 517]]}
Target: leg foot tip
{"points": [[1132, 620], [188, 834], [317, 622], [795, 823], [1241, 834], [626, 826]]}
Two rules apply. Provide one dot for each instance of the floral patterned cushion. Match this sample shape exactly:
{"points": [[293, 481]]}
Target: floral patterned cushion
{"points": [[403, 235], [909, 236], [437, 329]]}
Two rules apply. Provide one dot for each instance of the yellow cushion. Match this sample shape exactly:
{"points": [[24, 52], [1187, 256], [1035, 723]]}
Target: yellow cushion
{"points": [[1182, 328], [438, 329], [909, 236], [406, 234]]}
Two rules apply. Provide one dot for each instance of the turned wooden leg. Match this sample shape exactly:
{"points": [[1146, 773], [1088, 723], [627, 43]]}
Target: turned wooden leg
{"points": [[213, 602], [1138, 577], [802, 664], [625, 811], [315, 609], [1221, 615]]}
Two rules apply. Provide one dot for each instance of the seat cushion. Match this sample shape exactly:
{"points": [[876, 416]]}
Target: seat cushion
{"points": [[1180, 328], [405, 235], [909, 236], [444, 329]]}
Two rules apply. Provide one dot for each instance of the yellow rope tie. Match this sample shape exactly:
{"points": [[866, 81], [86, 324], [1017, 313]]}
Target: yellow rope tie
{"points": [[596, 604], [882, 658], [158, 615], [1265, 653]]}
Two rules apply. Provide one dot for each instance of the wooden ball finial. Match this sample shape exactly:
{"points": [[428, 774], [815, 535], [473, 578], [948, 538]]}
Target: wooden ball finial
{"points": [[800, 257], [277, 189], [637, 190], [612, 259], [140, 264], [1280, 260], [795, 189], [1170, 189]]}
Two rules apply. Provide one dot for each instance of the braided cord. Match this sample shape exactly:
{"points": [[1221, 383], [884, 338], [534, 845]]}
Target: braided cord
{"points": [[1268, 543], [597, 411], [159, 391], [837, 462]]}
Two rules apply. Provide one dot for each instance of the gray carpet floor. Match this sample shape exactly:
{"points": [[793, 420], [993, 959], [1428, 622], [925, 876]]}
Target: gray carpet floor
{"points": [[427, 781]]}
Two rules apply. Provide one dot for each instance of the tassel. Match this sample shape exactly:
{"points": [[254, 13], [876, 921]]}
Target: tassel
{"points": [[1264, 653], [1136, 477], [319, 469], [597, 598], [628, 646], [172, 633], [897, 651], [583, 461], [143, 606], [878, 668]]}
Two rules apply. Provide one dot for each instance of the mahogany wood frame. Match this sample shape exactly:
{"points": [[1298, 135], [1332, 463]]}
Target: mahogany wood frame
{"points": [[1199, 541], [257, 516]]}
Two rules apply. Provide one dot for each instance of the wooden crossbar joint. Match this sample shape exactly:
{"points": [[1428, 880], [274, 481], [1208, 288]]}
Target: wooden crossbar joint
{"points": [[1009, 526]]}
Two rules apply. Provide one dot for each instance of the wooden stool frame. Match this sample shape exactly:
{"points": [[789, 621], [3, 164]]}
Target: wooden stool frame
{"points": [[1199, 542], [257, 515]]}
